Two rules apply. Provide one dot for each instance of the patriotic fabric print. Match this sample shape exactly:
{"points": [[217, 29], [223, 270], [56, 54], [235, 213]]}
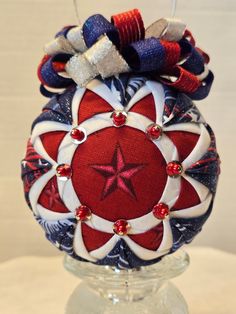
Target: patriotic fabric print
{"points": [[121, 172]]}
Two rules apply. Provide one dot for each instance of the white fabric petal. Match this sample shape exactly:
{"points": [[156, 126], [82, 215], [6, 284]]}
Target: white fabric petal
{"points": [[102, 252], [140, 94], [76, 103], [79, 246], [51, 215], [104, 92], [37, 188], [159, 98], [194, 211], [183, 127], [48, 126], [200, 149]]}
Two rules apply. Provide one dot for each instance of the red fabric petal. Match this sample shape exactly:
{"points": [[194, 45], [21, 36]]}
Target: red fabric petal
{"points": [[188, 197], [50, 198], [146, 107], [184, 142], [94, 239], [150, 239], [92, 104], [51, 142]]}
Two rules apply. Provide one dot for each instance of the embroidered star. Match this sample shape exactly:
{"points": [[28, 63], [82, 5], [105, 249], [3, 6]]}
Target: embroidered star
{"points": [[118, 174], [52, 193]]}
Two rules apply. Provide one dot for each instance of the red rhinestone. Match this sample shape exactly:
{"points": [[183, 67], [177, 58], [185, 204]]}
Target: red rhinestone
{"points": [[83, 213], [160, 211], [174, 169], [64, 171], [78, 135], [121, 227], [119, 118], [154, 131]]}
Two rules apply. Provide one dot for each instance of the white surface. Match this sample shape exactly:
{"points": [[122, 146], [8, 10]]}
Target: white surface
{"points": [[41, 285], [27, 25]]}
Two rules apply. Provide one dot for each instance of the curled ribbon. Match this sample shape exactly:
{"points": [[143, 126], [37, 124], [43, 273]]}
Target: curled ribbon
{"points": [[165, 51]]}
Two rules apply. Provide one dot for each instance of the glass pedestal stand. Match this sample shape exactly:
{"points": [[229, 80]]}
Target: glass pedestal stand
{"points": [[145, 290]]}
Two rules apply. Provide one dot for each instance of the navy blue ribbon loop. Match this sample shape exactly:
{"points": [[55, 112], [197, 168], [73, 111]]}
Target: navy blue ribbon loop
{"points": [[145, 55], [96, 26]]}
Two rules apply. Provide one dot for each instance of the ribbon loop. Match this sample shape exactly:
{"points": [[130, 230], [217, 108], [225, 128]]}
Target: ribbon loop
{"points": [[166, 29], [166, 51], [75, 37], [145, 55], [59, 45], [102, 58], [130, 26], [96, 26]]}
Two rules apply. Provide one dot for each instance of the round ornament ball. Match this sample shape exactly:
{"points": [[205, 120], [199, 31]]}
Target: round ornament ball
{"points": [[120, 183]]}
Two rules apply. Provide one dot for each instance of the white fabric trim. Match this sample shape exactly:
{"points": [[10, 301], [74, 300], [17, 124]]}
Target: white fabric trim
{"points": [[194, 211], [39, 148], [201, 189], [199, 150], [138, 121], [48, 126], [68, 194], [102, 252], [37, 188], [138, 225], [104, 92], [50, 215], [143, 253], [184, 127], [167, 240], [171, 191], [140, 94], [167, 148], [159, 98], [143, 223], [78, 95], [79, 246]]}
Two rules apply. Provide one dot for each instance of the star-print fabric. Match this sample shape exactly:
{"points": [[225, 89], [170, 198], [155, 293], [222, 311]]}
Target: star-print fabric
{"points": [[121, 172]]}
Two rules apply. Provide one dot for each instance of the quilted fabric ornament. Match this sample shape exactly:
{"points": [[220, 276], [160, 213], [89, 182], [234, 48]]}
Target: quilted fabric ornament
{"points": [[121, 168]]}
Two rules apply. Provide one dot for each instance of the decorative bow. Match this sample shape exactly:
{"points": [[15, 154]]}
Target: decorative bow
{"points": [[165, 51]]}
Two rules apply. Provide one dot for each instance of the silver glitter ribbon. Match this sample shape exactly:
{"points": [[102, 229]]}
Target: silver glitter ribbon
{"points": [[166, 29], [59, 45], [101, 59]]}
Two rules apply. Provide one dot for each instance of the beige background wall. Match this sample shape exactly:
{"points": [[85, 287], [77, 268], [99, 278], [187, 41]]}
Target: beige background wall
{"points": [[26, 25]]}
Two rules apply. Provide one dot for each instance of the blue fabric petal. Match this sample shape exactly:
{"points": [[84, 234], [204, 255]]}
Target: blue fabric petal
{"points": [[207, 169], [179, 108], [184, 230], [58, 109]]}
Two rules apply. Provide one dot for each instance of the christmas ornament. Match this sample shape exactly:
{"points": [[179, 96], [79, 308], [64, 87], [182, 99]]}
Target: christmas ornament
{"points": [[121, 168]]}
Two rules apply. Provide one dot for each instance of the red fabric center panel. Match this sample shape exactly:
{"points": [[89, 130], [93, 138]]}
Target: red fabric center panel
{"points": [[119, 173]]}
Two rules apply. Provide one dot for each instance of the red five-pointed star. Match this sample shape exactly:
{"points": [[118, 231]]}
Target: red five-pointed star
{"points": [[118, 174]]}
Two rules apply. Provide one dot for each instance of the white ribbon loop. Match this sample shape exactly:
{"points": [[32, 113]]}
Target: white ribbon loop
{"points": [[59, 45], [166, 29], [102, 58]]}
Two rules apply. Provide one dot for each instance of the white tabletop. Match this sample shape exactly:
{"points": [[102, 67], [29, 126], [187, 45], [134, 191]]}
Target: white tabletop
{"points": [[41, 285]]}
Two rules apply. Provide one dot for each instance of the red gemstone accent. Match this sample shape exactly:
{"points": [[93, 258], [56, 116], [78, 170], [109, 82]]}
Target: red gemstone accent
{"points": [[119, 118], [154, 131], [174, 169], [64, 171], [78, 135], [121, 227], [83, 213], [161, 211]]}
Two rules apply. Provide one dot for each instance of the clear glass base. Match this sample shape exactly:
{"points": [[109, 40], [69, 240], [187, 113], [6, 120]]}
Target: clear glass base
{"points": [[146, 290]]}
